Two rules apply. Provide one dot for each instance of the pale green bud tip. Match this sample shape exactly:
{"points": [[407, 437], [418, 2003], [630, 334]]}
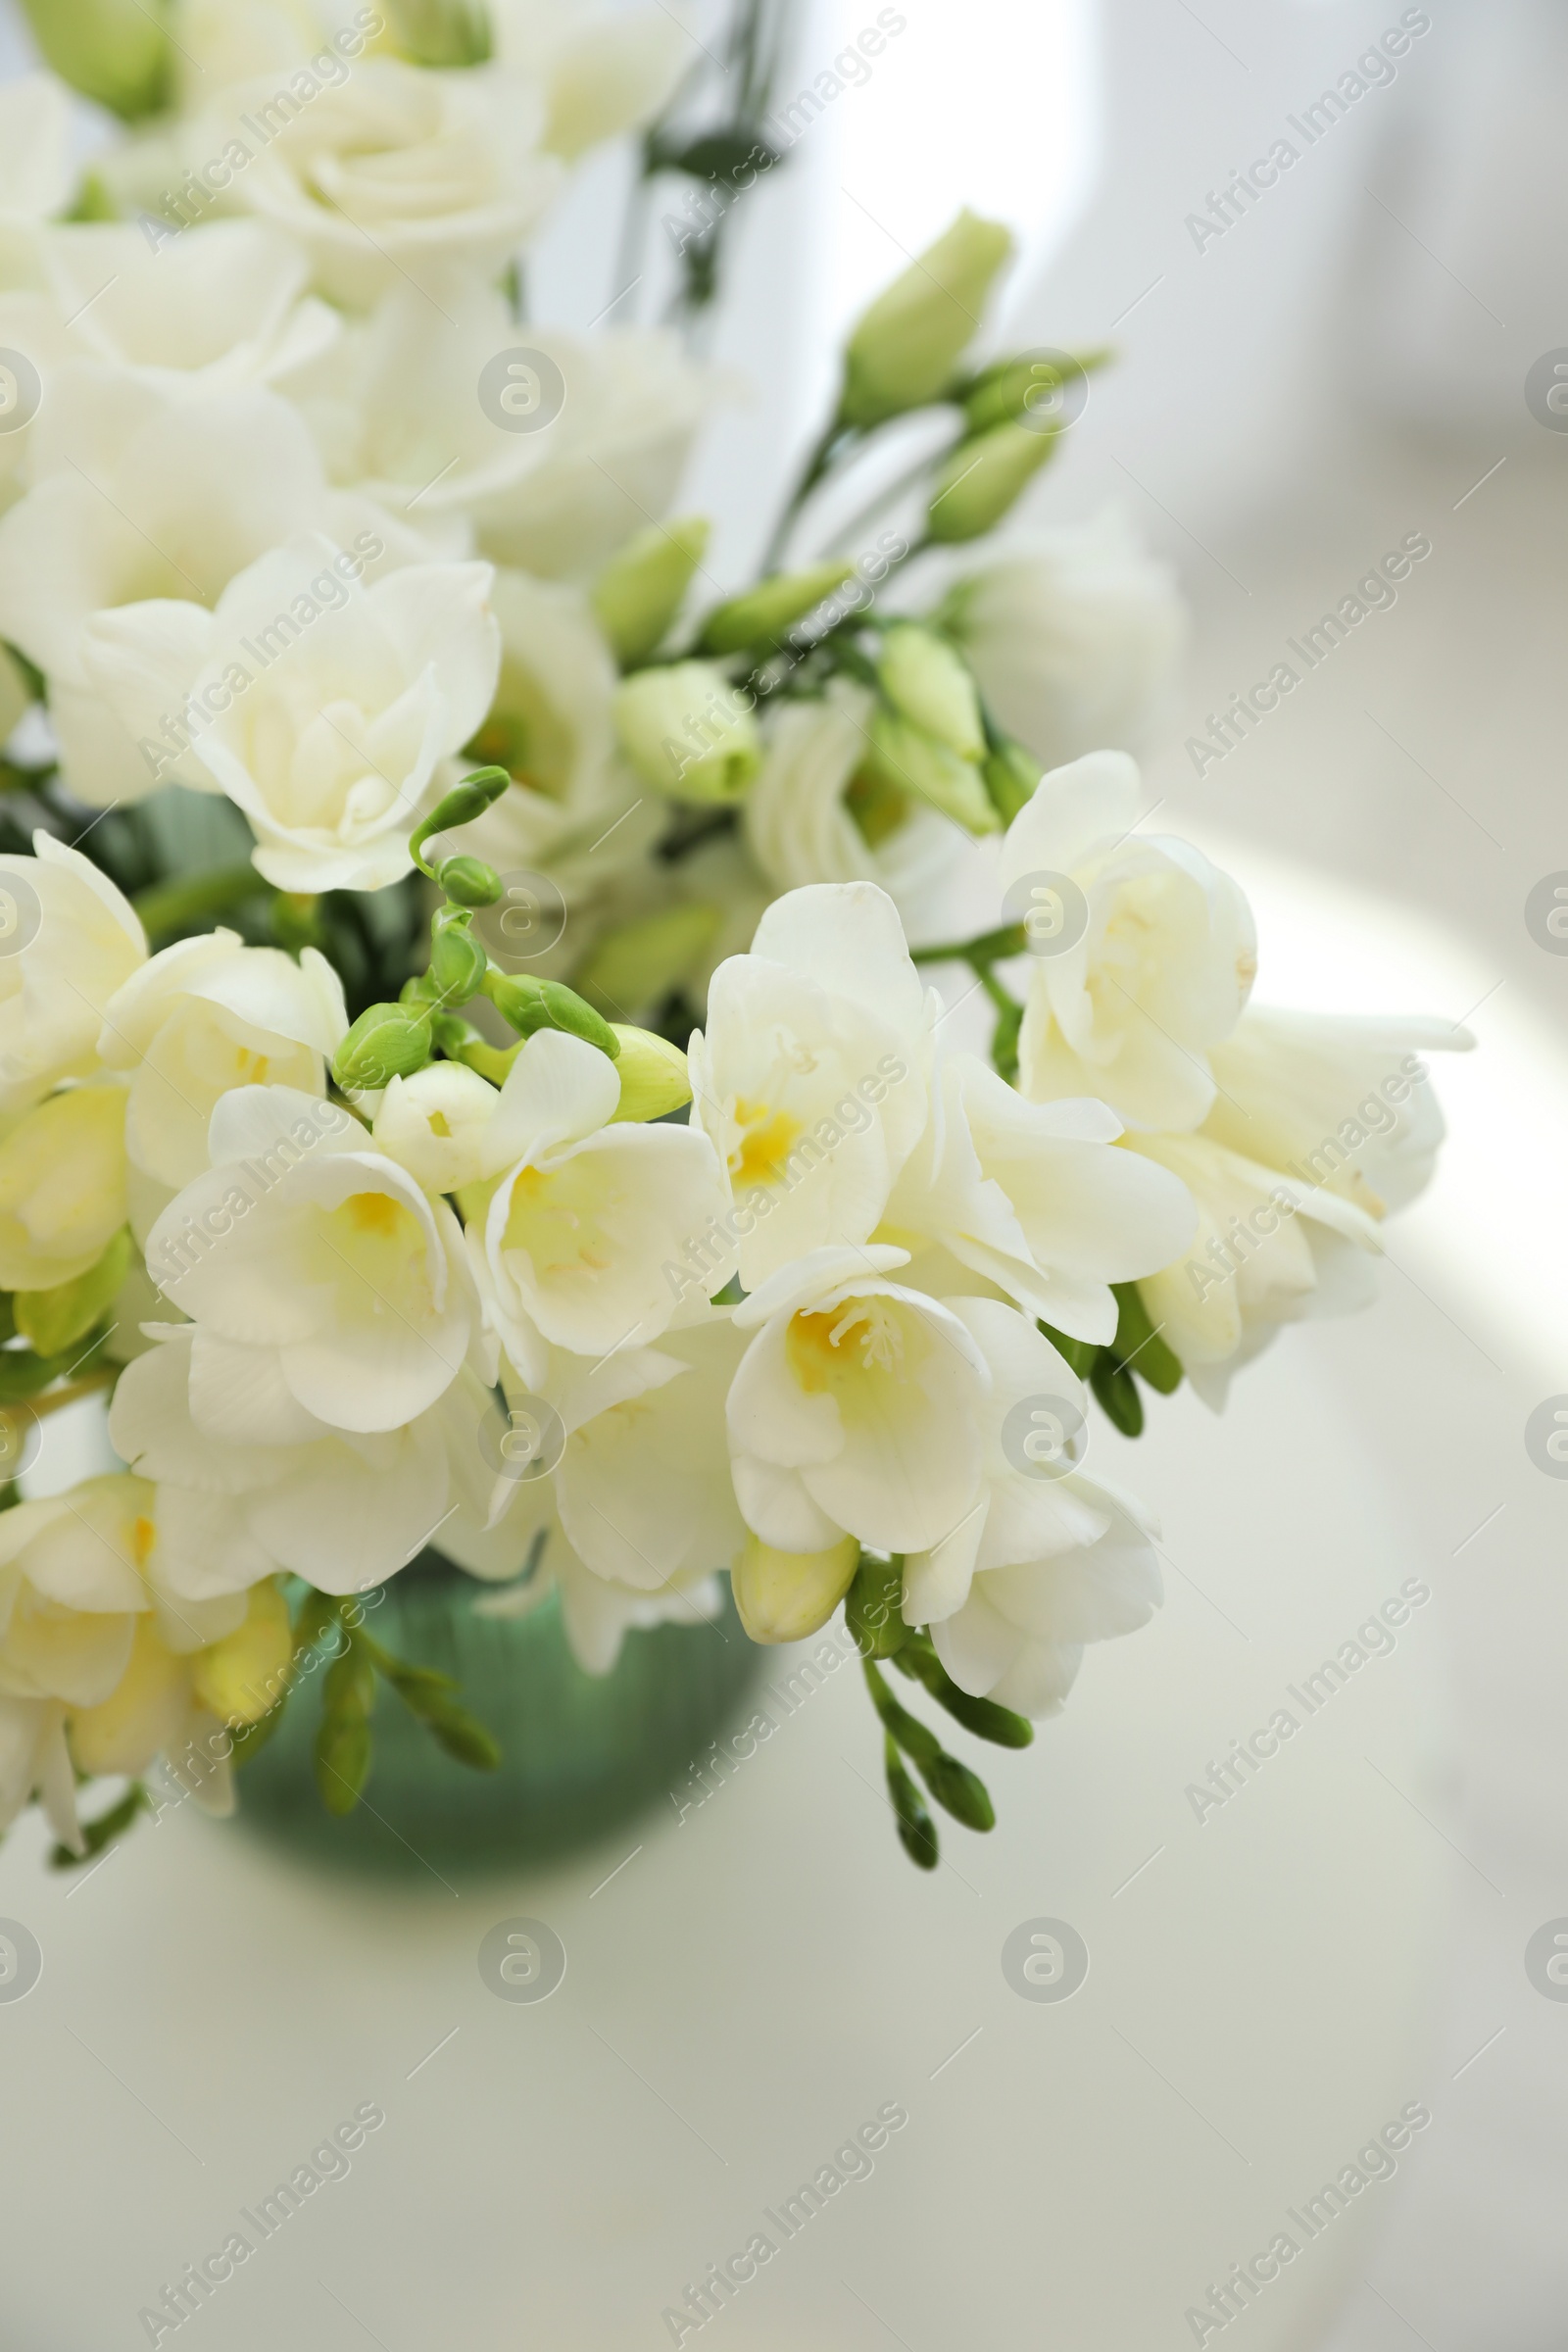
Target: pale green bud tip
{"points": [[1012, 774], [784, 1595], [980, 480], [904, 349], [458, 807], [687, 732], [763, 612], [653, 1074], [386, 1042], [911, 761], [638, 593], [923, 677], [470, 881], [529, 1006], [441, 32], [115, 51]]}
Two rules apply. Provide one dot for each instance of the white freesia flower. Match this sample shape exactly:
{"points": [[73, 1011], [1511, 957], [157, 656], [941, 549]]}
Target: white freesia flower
{"points": [[611, 462], [63, 1190], [56, 983], [1032, 1196], [1018, 1510], [346, 1509], [1153, 956], [141, 494], [328, 1292], [595, 1612], [1019, 1637], [324, 709], [803, 824], [207, 1014], [1340, 1100], [585, 1241], [810, 1079], [440, 1125], [1074, 636], [1270, 1248], [606, 70], [37, 171], [855, 1408], [221, 303], [396, 169]]}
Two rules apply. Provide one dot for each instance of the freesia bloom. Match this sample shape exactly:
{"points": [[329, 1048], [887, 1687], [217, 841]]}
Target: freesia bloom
{"points": [[1032, 1196], [1148, 960], [809, 1078], [69, 939], [63, 1196], [855, 1408], [396, 169], [208, 1015], [584, 1228], [324, 709], [1019, 1637], [1074, 636], [328, 1292]]}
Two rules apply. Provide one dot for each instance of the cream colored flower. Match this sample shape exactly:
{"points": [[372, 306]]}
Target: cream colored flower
{"points": [[69, 939]]}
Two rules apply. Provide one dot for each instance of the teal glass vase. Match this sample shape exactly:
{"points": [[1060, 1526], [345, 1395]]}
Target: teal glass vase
{"points": [[579, 1752]]}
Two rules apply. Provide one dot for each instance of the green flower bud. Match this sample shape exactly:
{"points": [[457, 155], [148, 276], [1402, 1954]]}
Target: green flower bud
{"points": [[527, 1005], [1012, 774], [653, 1074], [903, 353], [639, 592], [458, 807], [930, 684], [784, 1595], [687, 732], [765, 612], [979, 481], [441, 32], [1044, 392], [641, 963], [470, 881], [458, 963], [386, 1042], [115, 51], [54, 1320], [913, 761], [460, 1041]]}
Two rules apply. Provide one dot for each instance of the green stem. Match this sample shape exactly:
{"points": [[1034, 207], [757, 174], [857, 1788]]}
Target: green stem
{"points": [[990, 947], [175, 906]]}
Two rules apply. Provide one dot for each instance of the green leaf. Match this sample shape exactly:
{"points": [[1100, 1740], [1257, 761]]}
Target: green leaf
{"points": [[1080, 1355], [916, 1830], [1139, 1346], [1118, 1392], [102, 1833]]}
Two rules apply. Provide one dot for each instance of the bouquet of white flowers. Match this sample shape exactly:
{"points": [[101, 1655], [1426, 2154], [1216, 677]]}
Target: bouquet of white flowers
{"points": [[466, 1079]]}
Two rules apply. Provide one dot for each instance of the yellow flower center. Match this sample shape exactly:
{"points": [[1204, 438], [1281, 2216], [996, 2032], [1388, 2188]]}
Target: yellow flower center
{"points": [[766, 1139]]}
